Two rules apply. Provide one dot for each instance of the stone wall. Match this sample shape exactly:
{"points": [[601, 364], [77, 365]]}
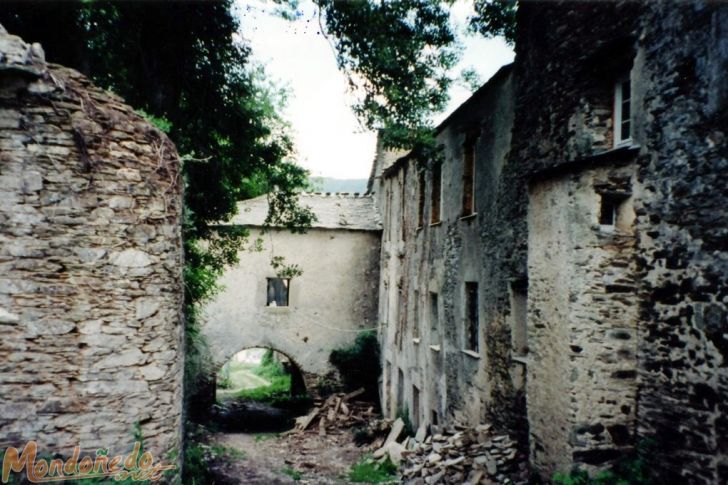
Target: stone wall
{"points": [[90, 265], [683, 227], [428, 368], [583, 311], [329, 304], [566, 67]]}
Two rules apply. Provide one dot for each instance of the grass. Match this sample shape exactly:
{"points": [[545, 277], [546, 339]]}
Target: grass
{"points": [[265, 437], [293, 473], [278, 391], [369, 471]]}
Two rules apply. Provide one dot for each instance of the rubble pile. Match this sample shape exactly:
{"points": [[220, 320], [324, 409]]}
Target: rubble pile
{"points": [[339, 411], [455, 455]]}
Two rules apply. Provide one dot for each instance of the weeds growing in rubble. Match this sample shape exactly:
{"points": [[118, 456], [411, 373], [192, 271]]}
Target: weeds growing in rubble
{"points": [[370, 471]]}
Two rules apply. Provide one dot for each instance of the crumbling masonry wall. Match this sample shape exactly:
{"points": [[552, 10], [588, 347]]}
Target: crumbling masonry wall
{"points": [[567, 65], [90, 265]]}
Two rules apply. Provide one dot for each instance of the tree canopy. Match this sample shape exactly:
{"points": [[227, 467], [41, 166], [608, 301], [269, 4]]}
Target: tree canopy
{"points": [[399, 54]]}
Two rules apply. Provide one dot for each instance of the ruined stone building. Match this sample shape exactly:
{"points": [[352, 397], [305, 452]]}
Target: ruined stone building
{"points": [[90, 266], [562, 271], [304, 316]]}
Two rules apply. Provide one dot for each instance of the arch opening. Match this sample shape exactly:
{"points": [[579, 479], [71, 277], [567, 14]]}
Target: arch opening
{"points": [[259, 389]]}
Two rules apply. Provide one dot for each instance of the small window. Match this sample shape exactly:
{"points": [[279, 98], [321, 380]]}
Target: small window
{"points": [[400, 390], [415, 407], [278, 291], [623, 111], [519, 332], [403, 205], [416, 327], [436, 194], [610, 209], [421, 199], [471, 316], [433, 419], [469, 177], [434, 318]]}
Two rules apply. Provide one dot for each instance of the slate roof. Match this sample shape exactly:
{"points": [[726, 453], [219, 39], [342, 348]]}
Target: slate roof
{"points": [[347, 211]]}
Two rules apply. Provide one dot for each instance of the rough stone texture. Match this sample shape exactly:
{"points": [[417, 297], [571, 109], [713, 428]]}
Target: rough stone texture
{"points": [[566, 65], [426, 367], [582, 384], [625, 339], [329, 304], [90, 265]]}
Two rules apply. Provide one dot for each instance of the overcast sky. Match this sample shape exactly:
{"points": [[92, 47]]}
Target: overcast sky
{"points": [[329, 141]]}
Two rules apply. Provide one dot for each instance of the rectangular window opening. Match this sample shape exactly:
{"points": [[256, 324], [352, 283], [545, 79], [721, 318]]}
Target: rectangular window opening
{"points": [[622, 111], [471, 316], [400, 390], [403, 205], [416, 327], [415, 407], [468, 177], [278, 289], [436, 194], [421, 199], [611, 205], [519, 302], [434, 318], [434, 418]]}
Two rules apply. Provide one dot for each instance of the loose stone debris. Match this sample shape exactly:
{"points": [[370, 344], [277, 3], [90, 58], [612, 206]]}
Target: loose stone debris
{"points": [[456, 455], [338, 411]]}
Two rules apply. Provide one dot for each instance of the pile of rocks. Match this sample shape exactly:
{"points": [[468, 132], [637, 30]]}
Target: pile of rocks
{"points": [[338, 411], [457, 455]]}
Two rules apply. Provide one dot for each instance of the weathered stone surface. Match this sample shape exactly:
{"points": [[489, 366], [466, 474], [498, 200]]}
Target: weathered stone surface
{"points": [[76, 173]]}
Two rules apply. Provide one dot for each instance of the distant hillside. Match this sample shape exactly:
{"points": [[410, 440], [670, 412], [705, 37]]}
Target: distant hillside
{"points": [[328, 184]]}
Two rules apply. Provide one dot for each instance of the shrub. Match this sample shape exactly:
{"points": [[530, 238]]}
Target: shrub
{"points": [[359, 364], [369, 471]]}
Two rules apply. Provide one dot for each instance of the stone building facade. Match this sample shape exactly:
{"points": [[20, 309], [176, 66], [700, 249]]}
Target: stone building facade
{"points": [[437, 280], [580, 267], [90, 258], [304, 316]]}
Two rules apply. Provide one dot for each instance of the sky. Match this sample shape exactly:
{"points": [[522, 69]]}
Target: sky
{"points": [[329, 141]]}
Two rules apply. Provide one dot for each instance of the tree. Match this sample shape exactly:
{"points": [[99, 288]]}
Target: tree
{"points": [[398, 55]]}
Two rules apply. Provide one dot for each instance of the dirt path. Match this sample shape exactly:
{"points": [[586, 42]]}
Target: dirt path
{"points": [[242, 379], [270, 459]]}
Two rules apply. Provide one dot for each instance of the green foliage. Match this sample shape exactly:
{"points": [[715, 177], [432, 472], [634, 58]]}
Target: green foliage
{"points": [[404, 415], [293, 473], [159, 121], [284, 270], [398, 55], [186, 69], [369, 471], [359, 365], [630, 470], [495, 18]]}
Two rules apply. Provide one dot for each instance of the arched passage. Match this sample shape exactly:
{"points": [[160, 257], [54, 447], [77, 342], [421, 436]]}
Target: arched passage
{"points": [[259, 390]]}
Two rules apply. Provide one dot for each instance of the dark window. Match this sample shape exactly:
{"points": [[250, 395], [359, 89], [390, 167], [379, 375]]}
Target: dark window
{"points": [[471, 315], [403, 205], [421, 199], [519, 302], [278, 291], [416, 327], [469, 177], [436, 193], [400, 390], [434, 418], [434, 318], [415, 407]]}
